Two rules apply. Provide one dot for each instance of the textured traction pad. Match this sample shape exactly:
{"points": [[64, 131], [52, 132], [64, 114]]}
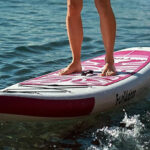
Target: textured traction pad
{"points": [[127, 63]]}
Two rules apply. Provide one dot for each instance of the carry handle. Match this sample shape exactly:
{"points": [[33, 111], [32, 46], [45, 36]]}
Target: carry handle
{"points": [[84, 73]]}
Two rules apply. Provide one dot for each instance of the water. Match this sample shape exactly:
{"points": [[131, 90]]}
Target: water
{"points": [[33, 41]]}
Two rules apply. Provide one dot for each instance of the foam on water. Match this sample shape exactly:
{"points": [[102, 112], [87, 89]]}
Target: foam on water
{"points": [[127, 136]]}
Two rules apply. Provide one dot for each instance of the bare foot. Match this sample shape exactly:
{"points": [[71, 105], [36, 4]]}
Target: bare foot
{"points": [[109, 70], [72, 68]]}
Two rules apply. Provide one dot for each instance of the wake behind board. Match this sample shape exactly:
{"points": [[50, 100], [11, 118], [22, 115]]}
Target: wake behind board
{"points": [[80, 94]]}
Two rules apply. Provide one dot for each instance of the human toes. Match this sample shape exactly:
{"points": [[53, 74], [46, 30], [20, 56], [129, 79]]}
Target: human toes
{"points": [[65, 71]]}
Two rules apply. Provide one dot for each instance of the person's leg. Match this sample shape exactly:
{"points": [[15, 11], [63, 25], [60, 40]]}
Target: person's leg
{"points": [[108, 29], [75, 35]]}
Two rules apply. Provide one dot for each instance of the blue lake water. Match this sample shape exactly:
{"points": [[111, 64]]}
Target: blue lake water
{"points": [[33, 41]]}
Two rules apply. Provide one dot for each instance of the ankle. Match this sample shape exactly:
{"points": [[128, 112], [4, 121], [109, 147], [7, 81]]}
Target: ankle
{"points": [[76, 61], [109, 60]]}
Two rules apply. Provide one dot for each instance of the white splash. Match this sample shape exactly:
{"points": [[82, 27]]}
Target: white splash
{"points": [[127, 137]]}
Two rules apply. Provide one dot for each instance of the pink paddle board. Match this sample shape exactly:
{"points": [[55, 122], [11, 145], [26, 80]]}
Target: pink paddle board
{"points": [[127, 63], [80, 94]]}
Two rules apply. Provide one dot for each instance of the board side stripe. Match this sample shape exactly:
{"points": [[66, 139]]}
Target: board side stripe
{"points": [[46, 108]]}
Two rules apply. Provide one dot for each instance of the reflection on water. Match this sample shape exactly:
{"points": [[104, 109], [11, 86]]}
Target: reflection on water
{"points": [[52, 134], [127, 129]]}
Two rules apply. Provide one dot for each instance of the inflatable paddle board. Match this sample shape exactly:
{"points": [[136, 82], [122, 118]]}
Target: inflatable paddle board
{"points": [[80, 94]]}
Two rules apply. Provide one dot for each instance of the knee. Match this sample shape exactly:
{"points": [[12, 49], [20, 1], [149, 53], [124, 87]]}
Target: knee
{"points": [[102, 5], [74, 9]]}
